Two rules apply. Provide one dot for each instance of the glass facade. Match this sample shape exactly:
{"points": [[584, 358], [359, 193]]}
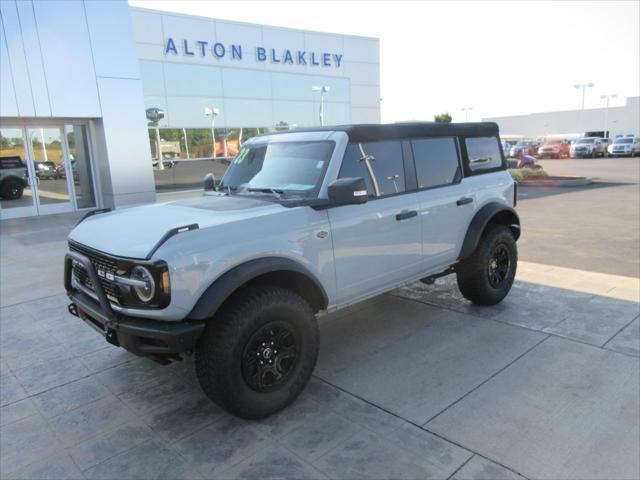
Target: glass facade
{"points": [[248, 102]]}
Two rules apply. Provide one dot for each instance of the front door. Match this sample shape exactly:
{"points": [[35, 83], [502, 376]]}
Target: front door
{"points": [[376, 244]]}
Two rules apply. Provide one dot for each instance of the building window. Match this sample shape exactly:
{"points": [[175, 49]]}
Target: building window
{"points": [[379, 163], [483, 153], [188, 154], [436, 161]]}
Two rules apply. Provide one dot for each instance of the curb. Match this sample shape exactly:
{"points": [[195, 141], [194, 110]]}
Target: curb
{"points": [[558, 182]]}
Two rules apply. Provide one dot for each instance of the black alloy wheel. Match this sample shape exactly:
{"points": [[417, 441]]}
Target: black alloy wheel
{"points": [[498, 267], [270, 355]]}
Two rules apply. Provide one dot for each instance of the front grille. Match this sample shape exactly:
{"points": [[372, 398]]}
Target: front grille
{"points": [[105, 267]]}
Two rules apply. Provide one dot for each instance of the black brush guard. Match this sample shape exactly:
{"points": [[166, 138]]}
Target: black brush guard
{"points": [[160, 340]]}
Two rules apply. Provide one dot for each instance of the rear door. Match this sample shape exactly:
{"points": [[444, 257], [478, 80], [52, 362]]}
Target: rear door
{"points": [[376, 244], [446, 204]]}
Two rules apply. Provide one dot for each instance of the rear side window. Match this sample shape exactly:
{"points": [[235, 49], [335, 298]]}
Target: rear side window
{"points": [[436, 161], [483, 153], [379, 163]]}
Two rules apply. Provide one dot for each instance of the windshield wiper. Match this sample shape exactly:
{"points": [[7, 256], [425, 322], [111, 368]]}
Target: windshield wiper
{"points": [[275, 191]]}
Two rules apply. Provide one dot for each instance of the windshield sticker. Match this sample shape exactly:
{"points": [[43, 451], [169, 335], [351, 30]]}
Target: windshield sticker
{"points": [[319, 164], [241, 156]]}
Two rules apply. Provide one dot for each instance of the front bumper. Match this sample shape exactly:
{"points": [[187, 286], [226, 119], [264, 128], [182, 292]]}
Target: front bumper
{"points": [[140, 336]]}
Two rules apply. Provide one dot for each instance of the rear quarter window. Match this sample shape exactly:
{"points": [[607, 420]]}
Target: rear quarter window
{"points": [[483, 154]]}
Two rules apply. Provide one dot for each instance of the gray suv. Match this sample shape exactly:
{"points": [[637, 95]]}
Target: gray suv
{"points": [[303, 223]]}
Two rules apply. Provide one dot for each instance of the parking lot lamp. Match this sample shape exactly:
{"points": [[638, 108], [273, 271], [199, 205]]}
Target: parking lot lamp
{"points": [[322, 89], [213, 113], [583, 86], [606, 111], [466, 111]]}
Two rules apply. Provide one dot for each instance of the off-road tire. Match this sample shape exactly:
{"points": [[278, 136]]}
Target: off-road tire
{"points": [[220, 351], [11, 189], [473, 273]]}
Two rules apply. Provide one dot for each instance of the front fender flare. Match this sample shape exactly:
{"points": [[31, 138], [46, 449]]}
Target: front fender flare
{"points": [[215, 295], [505, 215]]}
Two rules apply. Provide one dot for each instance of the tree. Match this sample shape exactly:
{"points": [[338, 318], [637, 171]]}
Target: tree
{"points": [[442, 118]]}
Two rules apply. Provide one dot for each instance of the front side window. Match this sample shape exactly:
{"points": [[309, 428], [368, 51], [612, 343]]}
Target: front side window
{"points": [[436, 161], [379, 163], [483, 153], [283, 167]]}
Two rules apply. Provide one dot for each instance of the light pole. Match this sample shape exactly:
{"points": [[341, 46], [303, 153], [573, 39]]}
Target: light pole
{"points": [[466, 111], [322, 89], [213, 113], [606, 111], [154, 115], [583, 86]]}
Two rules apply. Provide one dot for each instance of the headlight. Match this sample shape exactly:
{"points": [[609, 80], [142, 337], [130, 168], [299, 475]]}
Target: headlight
{"points": [[147, 292]]}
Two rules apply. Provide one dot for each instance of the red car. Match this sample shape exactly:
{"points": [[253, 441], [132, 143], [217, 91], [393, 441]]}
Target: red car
{"points": [[554, 148]]}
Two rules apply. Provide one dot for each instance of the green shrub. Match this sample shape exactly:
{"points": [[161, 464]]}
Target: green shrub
{"points": [[520, 174]]}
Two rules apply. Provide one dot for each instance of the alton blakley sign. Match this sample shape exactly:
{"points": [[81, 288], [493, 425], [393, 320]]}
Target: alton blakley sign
{"points": [[218, 50]]}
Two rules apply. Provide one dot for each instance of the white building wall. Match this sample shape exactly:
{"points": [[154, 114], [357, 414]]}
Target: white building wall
{"points": [[76, 59], [620, 121], [360, 59]]}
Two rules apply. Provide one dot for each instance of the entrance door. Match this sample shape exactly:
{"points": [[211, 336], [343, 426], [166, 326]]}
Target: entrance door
{"points": [[45, 170], [17, 196], [52, 168]]}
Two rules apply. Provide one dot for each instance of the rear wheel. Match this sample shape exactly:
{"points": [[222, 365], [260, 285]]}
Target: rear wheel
{"points": [[487, 276], [258, 352]]}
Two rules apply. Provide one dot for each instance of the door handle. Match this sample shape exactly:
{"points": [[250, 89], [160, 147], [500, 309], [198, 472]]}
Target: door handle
{"points": [[464, 201], [403, 215]]}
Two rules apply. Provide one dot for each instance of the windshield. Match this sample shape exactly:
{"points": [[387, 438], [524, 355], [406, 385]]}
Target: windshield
{"points": [[289, 167], [523, 144], [624, 140], [553, 142], [586, 140]]}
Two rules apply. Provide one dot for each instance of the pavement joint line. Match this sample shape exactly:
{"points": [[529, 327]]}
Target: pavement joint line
{"points": [[32, 300], [32, 395], [422, 427], [461, 466], [491, 377], [621, 329], [502, 322]]}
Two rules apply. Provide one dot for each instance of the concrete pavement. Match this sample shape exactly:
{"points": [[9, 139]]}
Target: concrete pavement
{"points": [[413, 384]]}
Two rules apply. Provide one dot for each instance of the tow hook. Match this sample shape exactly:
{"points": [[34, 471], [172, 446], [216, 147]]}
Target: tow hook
{"points": [[73, 310]]}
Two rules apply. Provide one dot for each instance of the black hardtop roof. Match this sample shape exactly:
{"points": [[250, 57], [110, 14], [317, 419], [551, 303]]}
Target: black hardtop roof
{"points": [[395, 131]]}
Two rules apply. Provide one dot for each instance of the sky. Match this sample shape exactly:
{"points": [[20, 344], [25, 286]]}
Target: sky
{"points": [[499, 58]]}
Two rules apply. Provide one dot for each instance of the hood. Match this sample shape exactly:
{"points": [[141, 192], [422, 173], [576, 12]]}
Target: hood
{"points": [[133, 232]]}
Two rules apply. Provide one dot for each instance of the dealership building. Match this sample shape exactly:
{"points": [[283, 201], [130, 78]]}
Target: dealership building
{"points": [[105, 105], [607, 122]]}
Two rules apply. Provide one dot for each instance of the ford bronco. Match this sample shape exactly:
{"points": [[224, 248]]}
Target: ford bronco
{"points": [[303, 223]]}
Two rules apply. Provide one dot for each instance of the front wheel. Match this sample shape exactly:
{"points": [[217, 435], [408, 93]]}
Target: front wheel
{"points": [[487, 276], [11, 189], [258, 352]]}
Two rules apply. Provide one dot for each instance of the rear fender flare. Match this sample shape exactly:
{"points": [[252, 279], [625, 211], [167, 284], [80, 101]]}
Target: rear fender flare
{"points": [[491, 213]]}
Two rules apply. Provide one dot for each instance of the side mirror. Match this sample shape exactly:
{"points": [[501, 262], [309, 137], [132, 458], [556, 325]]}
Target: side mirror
{"points": [[348, 191], [209, 182]]}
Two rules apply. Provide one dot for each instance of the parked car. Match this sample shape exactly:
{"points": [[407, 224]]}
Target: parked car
{"points": [[553, 148], [45, 170], [302, 223], [13, 177], [524, 148], [587, 147], [61, 171], [625, 147]]}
